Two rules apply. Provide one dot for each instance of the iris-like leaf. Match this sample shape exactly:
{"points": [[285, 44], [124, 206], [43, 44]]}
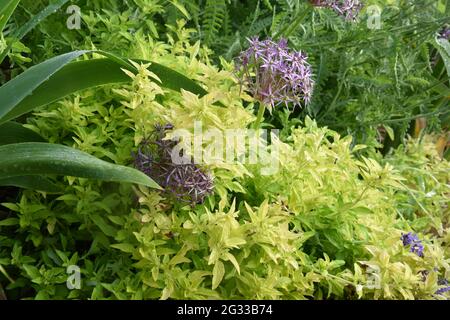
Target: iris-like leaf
{"points": [[13, 132], [15, 91], [34, 158], [31, 182], [7, 8], [56, 78]]}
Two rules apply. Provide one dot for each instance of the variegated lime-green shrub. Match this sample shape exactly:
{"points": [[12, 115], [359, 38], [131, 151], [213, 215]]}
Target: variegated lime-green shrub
{"points": [[314, 229]]}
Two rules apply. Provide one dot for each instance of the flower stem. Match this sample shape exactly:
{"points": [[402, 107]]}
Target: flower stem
{"points": [[260, 115]]}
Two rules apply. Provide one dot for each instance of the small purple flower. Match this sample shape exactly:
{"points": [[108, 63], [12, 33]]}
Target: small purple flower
{"points": [[187, 182], [443, 282], [412, 240], [444, 33], [274, 74]]}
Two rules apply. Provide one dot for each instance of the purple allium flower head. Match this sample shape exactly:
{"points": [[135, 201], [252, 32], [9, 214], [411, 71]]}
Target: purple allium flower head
{"points": [[349, 9], [274, 74], [412, 240], [186, 181]]}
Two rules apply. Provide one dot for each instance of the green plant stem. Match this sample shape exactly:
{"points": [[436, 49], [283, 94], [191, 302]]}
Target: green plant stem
{"points": [[259, 117], [290, 27]]}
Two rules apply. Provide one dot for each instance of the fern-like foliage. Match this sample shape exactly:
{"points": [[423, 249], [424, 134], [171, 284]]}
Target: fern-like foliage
{"points": [[214, 16]]}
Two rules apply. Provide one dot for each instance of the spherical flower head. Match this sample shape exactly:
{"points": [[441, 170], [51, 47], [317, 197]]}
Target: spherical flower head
{"points": [[274, 74], [414, 242], [186, 182]]}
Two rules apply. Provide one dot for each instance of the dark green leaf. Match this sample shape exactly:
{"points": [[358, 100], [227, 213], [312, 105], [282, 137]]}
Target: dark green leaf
{"points": [[34, 158], [57, 78], [14, 91], [13, 132], [30, 182], [7, 8]]}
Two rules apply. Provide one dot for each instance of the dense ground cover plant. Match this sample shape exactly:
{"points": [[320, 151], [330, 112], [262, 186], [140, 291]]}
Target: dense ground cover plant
{"points": [[329, 224]]}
